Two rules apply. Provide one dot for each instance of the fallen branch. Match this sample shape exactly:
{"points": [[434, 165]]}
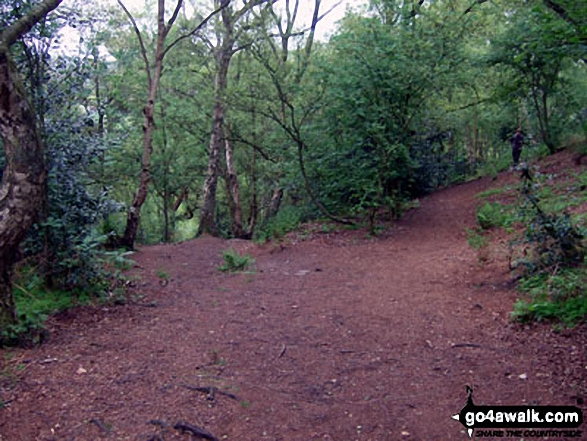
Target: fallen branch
{"points": [[194, 430], [211, 392], [466, 345]]}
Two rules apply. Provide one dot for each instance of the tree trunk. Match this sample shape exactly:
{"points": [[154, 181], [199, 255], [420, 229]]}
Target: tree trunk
{"points": [[233, 193], [208, 206], [254, 210], [275, 203], [133, 218], [23, 182]]}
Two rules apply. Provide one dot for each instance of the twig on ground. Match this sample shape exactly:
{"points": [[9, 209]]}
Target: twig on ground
{"points": [[466, 345], [211, 391], [283, 349], [160, 423], [194, 430]]}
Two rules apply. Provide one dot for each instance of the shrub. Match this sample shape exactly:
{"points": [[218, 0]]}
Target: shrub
{"points": [[554, 240], [233, 261], [555, 277]]}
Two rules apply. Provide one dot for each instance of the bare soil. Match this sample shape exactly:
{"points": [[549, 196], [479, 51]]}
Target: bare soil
{"points": [[334, 336]]}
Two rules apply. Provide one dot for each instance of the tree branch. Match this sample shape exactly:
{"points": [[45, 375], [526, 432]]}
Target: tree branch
{"points": [[26, 23], [141, 42], [174, 16], [561, 12], [470, 8], [197, 28]]}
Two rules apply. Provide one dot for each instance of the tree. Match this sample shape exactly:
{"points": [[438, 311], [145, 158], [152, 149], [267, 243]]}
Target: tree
{"points": [[153, 69], [23, 183], [291, 107], [534, 51], [227, 36]]}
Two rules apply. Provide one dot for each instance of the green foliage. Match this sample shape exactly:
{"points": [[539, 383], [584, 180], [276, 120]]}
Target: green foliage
{"points": [[561, 296], [492, 192], [494, 215], [34, 303], [234, 262], [476, 240], [286, 220], [555, 274], [554, 239], [162, 274]]}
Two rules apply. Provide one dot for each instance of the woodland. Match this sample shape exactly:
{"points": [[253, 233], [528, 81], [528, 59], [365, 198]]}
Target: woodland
{"points": [[234, 119]]}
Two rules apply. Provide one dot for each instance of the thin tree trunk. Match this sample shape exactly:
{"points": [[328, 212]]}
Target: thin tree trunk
{"points": [[208, 207], [22, 190], [233, 193], [275, 203], [254, 210], [224, 52], [133, 218], [99, 108]]}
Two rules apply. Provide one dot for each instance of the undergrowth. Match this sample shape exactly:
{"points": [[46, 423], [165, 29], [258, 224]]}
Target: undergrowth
{"points": [[560, 296], [234, 262], [548, 252], [286, 220], [35, 300]]}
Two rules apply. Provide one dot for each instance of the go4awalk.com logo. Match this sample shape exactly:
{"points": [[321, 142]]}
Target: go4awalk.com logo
{"points": [[520, 421]]}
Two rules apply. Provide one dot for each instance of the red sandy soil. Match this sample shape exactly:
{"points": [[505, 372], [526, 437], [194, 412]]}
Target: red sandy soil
{"points": [[334, 336]]}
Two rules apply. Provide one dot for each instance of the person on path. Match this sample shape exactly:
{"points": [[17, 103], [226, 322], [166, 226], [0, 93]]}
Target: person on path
{"points": [[517, 144]]}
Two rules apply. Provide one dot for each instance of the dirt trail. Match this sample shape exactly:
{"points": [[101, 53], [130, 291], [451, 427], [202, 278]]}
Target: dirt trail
{"points": [[336, 337]]}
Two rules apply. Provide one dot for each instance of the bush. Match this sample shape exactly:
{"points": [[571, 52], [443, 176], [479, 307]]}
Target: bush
{"points": [[233, 261], [554, 240]]}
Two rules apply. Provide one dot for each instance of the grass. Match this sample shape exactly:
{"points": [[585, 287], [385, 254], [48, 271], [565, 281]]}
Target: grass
{"points": [[493, 192], [476, 240], [495, 215], [162, 274], [34, 303]]}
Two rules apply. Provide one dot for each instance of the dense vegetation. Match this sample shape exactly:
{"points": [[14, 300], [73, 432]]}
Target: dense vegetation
{"points": [[235, 119]]}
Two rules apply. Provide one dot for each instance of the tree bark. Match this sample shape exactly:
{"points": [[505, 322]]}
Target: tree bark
{"points": [[233, 193], [275, 203], [22, 190], [208, 207]]}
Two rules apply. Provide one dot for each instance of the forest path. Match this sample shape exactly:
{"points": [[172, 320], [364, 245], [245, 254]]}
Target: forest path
{"points": [[335, 337]]}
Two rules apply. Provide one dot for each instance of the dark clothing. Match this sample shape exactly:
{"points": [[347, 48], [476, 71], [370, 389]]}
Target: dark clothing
{"points": [[517, 143]]}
